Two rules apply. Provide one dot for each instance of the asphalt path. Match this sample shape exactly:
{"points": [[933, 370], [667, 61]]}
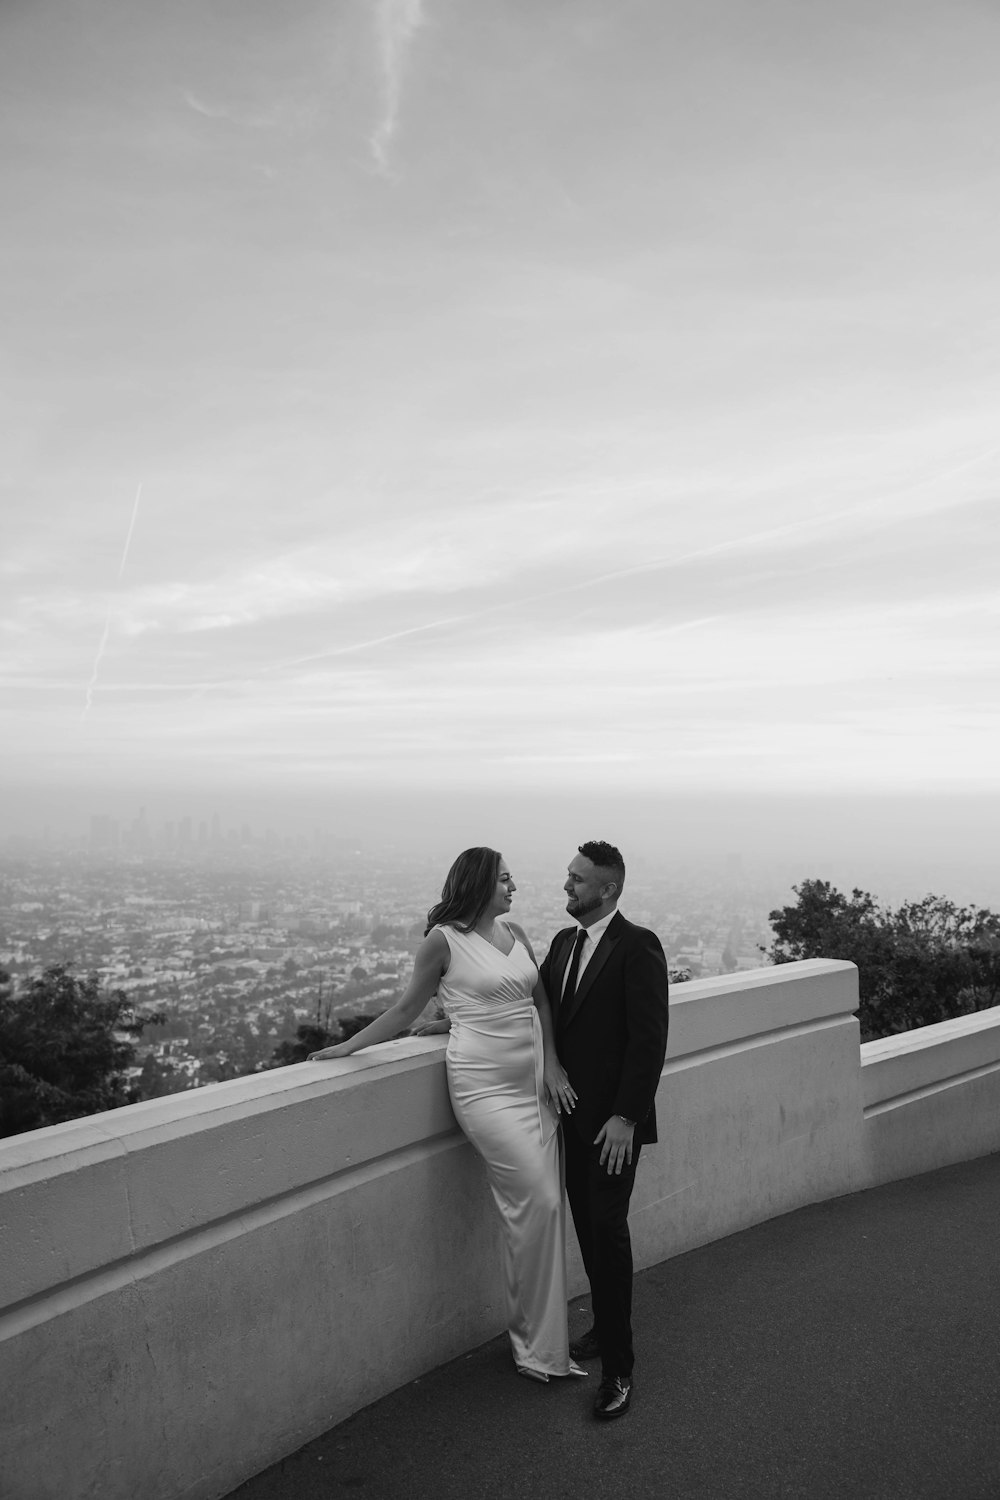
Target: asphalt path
{"points": [[848, 1351]]}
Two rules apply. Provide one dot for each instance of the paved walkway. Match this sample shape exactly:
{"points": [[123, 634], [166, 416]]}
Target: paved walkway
{"points": [[849, 1351]]}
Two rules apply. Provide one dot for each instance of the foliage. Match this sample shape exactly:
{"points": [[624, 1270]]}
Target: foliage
{"points": [[159, 1078], [64, 1049], [313, 1037], [351, 1025], [927, 961], [308, 1038]]}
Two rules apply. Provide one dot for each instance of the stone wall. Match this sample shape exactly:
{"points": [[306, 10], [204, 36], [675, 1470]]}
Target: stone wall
{"points": [[194, 1287]]}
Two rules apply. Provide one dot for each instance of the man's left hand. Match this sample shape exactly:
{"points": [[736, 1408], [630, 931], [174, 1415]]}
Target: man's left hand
{"points": [[615, 1141]]}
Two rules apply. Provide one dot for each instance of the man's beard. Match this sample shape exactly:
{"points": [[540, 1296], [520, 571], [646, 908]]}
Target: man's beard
{"points": [[581, 908]]}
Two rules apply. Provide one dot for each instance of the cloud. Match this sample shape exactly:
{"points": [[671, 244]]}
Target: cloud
{"points": [[210, 111], [276, 116], [396, 24]]}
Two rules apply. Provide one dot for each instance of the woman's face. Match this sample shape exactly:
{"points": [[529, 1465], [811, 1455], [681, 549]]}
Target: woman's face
{"points": [[503, 892]]}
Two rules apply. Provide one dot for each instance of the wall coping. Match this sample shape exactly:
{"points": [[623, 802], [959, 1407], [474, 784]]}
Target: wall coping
{"points": [[123, 1179], [730, 1009], [894, 1067], [766, 1000]]}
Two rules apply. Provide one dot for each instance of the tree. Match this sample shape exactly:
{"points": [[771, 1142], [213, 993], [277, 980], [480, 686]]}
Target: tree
{"points": [[160, 1078], [308, 1038], [219, 1068], [351, 1025], [64, 1049], [926, 962], [314, 1037]]}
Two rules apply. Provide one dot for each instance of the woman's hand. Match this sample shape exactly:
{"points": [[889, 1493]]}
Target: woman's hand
{"points": [[432, 1028], [428, 967], [340, 1050], [558, 1089]]}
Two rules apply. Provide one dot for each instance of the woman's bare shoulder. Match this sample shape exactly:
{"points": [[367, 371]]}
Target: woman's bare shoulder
{"points": [[435, 947], [519, 933]]}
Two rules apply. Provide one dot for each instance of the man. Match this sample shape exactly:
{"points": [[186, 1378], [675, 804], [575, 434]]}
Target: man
{"points": [[607, 985]]}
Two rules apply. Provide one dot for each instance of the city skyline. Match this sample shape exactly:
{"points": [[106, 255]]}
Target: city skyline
{"points": [[416, 405], [897, 848]]}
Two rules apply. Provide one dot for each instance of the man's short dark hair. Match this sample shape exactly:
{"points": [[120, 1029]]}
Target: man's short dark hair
{"points": [[606, 856]]}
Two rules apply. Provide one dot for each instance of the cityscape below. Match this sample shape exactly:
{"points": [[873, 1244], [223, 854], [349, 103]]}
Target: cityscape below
{"points": [[239, 932], [239, 935]]}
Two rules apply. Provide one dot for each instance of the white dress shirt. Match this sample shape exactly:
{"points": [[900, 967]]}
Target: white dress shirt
{"points": [[594, 932]]}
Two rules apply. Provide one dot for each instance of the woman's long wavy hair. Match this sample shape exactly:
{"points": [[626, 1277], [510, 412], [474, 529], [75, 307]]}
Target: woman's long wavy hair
{"points": [[467, 891]]}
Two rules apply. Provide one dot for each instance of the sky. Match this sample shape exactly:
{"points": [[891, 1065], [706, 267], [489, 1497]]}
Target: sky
{"points": [[524, 398]]}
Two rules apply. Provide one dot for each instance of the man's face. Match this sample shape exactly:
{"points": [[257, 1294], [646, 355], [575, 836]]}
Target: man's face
{"points": [[585, 883]]}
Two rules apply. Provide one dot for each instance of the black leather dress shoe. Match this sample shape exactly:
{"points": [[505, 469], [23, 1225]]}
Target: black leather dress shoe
{"points": [[613, 1398], [585, 1347]]}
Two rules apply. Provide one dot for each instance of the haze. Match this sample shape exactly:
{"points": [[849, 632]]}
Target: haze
{"points": [[468, 417]]}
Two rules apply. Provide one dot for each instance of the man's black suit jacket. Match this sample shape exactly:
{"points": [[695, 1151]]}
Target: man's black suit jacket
{"points": [[611, 1037]]}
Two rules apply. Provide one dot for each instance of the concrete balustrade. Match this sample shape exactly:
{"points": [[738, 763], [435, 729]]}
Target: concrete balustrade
{"points": [[759, 1106], [932, 1096], [193, 1287]]}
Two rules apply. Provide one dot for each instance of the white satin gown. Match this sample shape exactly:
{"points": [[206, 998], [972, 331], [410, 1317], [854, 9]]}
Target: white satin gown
{"points": [[495, 1065]]}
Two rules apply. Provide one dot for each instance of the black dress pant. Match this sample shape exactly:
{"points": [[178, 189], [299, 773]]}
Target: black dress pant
{"points": [[599, 1202]]}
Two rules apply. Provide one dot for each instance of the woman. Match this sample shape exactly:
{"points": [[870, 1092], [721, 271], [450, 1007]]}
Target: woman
{"points": [[506, 1084]]}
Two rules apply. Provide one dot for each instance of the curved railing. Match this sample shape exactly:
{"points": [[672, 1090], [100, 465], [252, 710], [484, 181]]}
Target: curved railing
{"points": [[193, 1287]]}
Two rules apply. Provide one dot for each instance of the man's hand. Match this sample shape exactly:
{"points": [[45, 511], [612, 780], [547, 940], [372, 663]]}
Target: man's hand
{"points": [[558, 1089], [615, 1141]]}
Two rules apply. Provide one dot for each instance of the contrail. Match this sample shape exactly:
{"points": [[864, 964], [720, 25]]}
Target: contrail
{"points": [[380, 640], [91, 685], [131, 528], [396, 23]]}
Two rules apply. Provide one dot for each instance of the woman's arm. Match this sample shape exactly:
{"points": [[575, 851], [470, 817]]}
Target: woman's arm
{"points": [[557, 1085], [428, 966]]}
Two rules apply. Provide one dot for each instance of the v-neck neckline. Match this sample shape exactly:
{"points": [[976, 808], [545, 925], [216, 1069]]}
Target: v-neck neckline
{"points": [[513, 944]]}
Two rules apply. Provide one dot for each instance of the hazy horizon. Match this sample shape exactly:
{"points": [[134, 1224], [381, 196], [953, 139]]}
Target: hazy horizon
{"points": [[898, 847], [504, 415]]}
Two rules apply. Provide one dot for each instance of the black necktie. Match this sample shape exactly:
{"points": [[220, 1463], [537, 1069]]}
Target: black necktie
{"points": [[574, 965]]}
